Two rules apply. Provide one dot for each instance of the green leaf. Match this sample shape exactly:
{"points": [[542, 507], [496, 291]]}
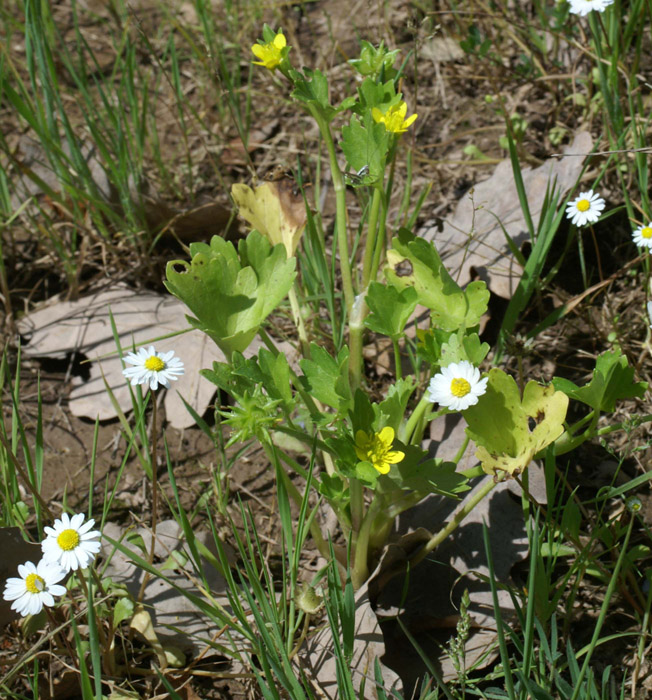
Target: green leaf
{"points": [[367, 474], [460, 347], [452, 307], [500, 422], [373, 94], [390, 309], [392, 409], [123, 610], [332, 487], [418, 473], [613, 379], [327, 379], [365, 146], [311, 87], [276, 376], [362, 415], [374, 60], [231, 293]]}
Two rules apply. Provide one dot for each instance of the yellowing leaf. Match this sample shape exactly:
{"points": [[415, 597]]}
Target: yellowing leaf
{"points": [[273, 209], [509, 430]]}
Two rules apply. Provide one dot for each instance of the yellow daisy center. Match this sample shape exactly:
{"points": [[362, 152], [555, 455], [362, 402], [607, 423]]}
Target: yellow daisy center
{"points": [[646, 232], [68, 540], [154, 363], [583, 205], [34, 583], [460, 387]]}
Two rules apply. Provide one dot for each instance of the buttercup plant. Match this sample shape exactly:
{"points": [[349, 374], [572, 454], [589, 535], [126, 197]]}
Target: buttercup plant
{"points": [[371, 462]]}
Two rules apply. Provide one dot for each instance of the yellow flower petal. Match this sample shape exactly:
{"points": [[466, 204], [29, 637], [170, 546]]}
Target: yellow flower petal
{"points": [[386, 435]]}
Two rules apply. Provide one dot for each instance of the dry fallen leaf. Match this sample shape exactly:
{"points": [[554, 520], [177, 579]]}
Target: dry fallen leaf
{"points": [[430, 606], [473, 237], [168, 608], [368, 646], [84, 326]]}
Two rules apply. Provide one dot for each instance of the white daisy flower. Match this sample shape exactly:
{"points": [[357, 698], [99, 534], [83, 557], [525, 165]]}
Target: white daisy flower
{"points": [[35, 588], [70, 544], [153, 368], [585, 209], [643, 236], [457, 386], [583, 7]]}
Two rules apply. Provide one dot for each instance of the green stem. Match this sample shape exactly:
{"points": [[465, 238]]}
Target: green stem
{"points": [[398, 370], [380, 240], [360, 571], [565, 443], [436, 540], [372, 230], [356, 329], [409, 429], [153, 460], [357, 505], [340, 208]]}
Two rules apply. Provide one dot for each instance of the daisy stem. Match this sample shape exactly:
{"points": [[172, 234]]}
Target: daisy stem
{"points": [[597, 254], [84, 586], [154, 441], [61, 639], [409, 430]]}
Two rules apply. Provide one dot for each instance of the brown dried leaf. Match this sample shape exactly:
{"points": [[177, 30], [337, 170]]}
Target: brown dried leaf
{"points": [[472, 239], [84, 326], [368, 645]]}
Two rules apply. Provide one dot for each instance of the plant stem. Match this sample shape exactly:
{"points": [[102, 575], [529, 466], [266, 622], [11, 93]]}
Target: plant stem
{"points": [[153, 462], [360, 570], [372, 230], [298, 320], [407, 431], [340, 211], [486, 487]]}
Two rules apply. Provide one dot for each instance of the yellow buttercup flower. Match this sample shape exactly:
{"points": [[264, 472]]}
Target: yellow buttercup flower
{"points": [[394, 118], [270, 54], [377, 449]]}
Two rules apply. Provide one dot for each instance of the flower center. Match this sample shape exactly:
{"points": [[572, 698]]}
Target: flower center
{"points": [[34, 583], [583, 205], [154, 363], [460, 387], [646, 232], [68, 540]]}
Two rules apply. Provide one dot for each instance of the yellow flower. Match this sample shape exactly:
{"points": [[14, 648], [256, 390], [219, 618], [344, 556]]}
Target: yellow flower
{"points": [[271, 54], [377, 449], [394, 118]]}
